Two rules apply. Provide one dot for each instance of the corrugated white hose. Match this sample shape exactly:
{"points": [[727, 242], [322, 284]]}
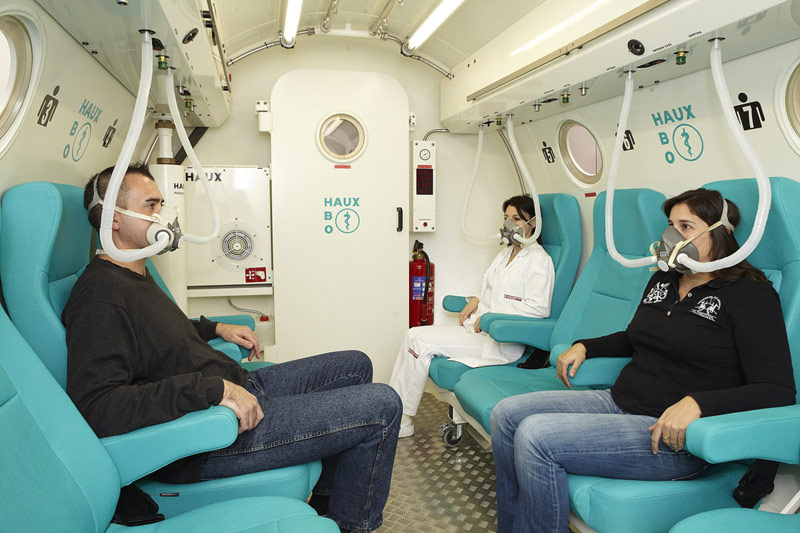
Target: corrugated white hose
{"points": [[493, 239], [527, 175], [198, 168], [612, 178], [764, 188], [124, 159]]}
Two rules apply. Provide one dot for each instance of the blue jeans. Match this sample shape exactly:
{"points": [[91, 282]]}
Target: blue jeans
{"points": [[540, 437], [323, 407]]}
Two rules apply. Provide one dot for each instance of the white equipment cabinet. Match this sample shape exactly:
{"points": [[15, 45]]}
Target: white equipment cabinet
{"points": [[340, 197], [239, 261]]}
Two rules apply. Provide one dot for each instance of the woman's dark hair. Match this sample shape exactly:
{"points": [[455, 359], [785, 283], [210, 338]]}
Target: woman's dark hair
{"points": [[707, 204], [525, 207]]}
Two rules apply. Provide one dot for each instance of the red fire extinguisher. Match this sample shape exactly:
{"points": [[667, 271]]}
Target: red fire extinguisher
{"points": [[420, 277]]}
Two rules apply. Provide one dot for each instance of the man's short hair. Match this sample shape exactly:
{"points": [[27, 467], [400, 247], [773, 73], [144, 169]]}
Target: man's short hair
{"points": [[100, 182]]}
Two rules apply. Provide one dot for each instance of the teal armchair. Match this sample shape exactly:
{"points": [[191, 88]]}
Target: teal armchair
{"points": [[57, 476], [44, 247], [724, 441], [603, 300]]}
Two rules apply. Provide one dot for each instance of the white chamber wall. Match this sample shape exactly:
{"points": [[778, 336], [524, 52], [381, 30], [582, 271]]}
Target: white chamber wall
{"points": [[75, 105]]}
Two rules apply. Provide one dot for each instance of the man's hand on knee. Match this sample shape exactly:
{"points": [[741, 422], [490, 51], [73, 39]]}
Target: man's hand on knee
{"points": [[243, 404]]}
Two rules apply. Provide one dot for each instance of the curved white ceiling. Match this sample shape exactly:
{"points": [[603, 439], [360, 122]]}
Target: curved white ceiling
{"points": [[246, 24]]}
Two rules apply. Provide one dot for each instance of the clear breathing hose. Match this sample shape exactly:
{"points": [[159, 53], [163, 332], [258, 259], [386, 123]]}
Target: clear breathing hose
{"points": [[198, 168], [124, 159], [493, 239], [612, 178], [764, 188], [527, 175]]}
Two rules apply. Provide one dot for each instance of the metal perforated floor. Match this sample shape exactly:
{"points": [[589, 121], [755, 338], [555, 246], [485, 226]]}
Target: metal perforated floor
{"points": [[439, 489]]}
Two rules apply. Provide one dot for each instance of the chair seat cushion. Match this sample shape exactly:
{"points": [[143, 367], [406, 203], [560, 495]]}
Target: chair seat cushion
{"points": [[445, 372], [624, 506], [738, 521], [267, 514], [293, 482], [480, 389]]}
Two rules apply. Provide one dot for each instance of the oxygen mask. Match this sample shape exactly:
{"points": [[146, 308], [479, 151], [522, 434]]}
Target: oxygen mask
{"points": [[672, 244], [666, 250], [164, 222], [510, 233]]}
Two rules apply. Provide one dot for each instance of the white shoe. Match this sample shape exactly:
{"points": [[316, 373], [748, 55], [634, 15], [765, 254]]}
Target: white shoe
{"points": [[406, 429]]}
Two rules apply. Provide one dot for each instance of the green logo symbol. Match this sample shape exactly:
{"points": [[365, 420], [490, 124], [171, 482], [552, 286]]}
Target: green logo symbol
{"points": [[687, 141], [347, 221]]}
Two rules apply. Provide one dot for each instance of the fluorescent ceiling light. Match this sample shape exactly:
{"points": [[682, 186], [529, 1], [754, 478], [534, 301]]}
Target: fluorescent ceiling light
{"points": [[432, 23], [558, 27], [292, 20]]}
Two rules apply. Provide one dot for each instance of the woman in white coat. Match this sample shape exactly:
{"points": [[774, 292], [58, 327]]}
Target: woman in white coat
{"points": [[519, 281]]}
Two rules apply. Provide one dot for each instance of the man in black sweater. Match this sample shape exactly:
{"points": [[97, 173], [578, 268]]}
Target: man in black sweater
{"points": [[135, 360]]}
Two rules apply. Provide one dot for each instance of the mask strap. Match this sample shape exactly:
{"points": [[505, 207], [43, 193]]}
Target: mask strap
{"points": [[149, 218], [96, 200], [723, 219]]}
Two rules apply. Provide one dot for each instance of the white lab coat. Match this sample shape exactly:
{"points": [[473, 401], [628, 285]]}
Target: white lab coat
{"points": [[523, 287]]}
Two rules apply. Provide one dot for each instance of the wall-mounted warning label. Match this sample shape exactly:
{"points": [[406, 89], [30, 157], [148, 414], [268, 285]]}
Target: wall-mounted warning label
{"points": [[255, 275]]}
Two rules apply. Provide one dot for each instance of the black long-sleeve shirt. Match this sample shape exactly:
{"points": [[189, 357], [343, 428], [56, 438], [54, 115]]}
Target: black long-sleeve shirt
{"points": [[134, 358], [725, 345]]}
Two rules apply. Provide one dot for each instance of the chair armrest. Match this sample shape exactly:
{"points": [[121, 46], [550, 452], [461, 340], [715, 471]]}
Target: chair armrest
{"points": [[522, 329], [772, 434], [454, 304], [147, 449], [594, 372], [232, 350], [239, 320]]}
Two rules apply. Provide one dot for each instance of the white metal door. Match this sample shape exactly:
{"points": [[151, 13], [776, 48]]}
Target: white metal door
{"points": [[340, 257]]}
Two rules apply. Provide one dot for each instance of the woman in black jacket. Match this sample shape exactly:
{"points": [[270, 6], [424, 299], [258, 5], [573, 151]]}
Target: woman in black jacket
{"points": [[701, 344]]}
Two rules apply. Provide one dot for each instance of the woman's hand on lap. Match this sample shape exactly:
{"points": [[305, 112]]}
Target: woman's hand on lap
{"points": [[671, 426], [575, 357]]}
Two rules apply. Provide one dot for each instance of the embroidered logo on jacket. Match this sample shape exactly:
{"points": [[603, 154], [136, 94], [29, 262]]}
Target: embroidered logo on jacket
{"points": [[708, 308], [512, 297], [657, 293]]}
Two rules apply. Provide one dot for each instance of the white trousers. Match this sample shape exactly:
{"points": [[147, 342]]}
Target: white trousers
{"points": [[422, 344]]}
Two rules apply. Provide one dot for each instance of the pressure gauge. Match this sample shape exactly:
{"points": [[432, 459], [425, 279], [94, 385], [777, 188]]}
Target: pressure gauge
{"points": [[424, 154]]}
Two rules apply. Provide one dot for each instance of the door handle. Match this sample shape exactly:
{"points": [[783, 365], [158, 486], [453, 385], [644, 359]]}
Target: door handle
{"points": [[399, 219]]}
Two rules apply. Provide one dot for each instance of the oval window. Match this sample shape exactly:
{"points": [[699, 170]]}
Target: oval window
{"points": [[793, 99], [16, 66], [580, 152], [341, 137]]}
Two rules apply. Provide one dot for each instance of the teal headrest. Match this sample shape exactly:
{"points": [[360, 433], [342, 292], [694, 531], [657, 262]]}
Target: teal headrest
{"points": [[635, 220], [781, 242]]}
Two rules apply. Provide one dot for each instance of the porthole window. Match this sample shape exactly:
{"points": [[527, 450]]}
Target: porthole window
{"points": [[580, 152], [16, 65], [793, 99], [342, 137]]}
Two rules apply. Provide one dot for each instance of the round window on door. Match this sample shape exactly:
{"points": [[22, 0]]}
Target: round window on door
{"points": [[793, 99], [342, 137], [16, 65], [580, 152]]}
